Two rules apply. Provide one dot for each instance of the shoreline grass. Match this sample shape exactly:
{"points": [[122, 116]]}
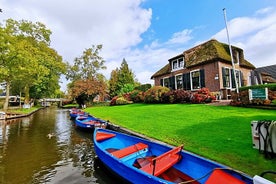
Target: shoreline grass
{"points": [[220, 133]]}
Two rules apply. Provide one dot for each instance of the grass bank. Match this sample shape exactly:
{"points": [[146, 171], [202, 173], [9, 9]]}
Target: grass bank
{"points": [[220, 133], [23, 111]]}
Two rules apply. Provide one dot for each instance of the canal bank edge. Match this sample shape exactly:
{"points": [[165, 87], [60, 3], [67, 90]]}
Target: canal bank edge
{"points": [[10, 115]]}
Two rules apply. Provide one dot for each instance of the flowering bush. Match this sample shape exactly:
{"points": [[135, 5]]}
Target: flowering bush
{"points": [[137, 96], [154, 94], [120, 100], [113, 100], [202, 96], [176, 96]]}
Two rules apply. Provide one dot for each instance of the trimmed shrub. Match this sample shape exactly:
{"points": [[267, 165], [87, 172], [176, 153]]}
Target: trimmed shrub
{"points": [[143, 87], [120, 100], [154, 94], [137, 96], [176, 96], [113, 100]]}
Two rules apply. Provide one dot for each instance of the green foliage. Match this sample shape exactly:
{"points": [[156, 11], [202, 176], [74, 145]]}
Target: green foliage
{"points": [[137, 96], [143, 87], [26, 60], [121, 80], [87, 81], [126, 88], [122, 101], [86, 66], [154, 94], [113, 83]]}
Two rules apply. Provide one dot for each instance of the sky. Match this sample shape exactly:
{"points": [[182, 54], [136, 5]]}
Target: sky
{"points": [[146, 33]]}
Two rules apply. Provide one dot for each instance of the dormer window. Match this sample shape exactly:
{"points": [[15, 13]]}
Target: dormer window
{"points": [[178, 64]]}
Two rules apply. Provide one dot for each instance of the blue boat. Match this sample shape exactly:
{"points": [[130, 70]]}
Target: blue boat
{"points": [[139, 160], [89, 122], [74, 112]]}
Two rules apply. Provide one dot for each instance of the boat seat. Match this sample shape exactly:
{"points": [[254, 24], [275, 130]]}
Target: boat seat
{"points": [[219, 176], [129, 150], [103, 136], [160, 164]]}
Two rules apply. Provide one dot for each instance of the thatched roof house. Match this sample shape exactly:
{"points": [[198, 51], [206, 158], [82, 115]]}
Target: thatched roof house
{"points": [[211, 61]]}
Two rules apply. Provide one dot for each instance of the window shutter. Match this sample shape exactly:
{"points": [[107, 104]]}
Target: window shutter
{"points": [[241, 78], [172, 82], [161, 82], [202, 78], [233, 78], [223, 77], [186, 81]]}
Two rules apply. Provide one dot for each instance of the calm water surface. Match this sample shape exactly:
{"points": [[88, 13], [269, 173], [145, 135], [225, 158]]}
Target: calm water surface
{"points": [[28, 155]]}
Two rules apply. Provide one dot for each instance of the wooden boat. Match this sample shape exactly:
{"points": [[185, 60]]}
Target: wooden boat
{"points": [[89, 122], [139, 160]]}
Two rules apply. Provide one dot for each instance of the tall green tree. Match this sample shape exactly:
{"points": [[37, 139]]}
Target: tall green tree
{"points": [[113, 81], [26, 57], [87, 81], [122, 80]]}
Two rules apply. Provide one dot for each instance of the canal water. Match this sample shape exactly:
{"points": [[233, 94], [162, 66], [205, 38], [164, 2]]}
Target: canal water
{"points": [[29, 155]]}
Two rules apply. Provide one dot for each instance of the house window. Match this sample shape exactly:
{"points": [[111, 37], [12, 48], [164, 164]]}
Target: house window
{"points": [[179, 82], [238, 77], [195, 79], [228, 78], [178, 64], [174, 64], [166, 82]]}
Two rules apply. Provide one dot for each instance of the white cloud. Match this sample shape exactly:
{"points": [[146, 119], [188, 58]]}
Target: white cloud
{"points": [[256, 35], [181, 37]]}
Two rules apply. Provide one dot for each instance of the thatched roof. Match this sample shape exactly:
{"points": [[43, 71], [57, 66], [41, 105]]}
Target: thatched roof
{"points": [[165, 70], [213, 50], [207, 52]]}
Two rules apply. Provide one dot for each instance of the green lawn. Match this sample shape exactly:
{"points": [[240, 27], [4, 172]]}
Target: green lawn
{"points": [[220, 133]]}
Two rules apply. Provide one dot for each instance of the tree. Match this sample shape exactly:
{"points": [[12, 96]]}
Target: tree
{"points": [[87, 82], [122, 80], [113, 81], [26, 58]]}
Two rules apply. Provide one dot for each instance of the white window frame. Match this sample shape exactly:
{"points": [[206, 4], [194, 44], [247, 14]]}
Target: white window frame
{"points": [[237, 78], [165, 78], [191, 79], [176, 64], [176, 86]]}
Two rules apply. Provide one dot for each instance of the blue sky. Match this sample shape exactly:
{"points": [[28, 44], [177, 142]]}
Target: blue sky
{"points": [[149, 32]]}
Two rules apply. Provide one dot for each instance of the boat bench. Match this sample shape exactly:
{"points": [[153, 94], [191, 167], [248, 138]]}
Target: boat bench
{"points": [[129, 150], [160, 164], [219, 176], [103, 136]]}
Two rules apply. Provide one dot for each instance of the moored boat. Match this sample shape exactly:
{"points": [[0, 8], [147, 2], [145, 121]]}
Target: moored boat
{"points": [[140, 160], [74, 112], [89, 122]]}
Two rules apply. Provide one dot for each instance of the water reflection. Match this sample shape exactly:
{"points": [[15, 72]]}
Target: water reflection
{"points": [[29, 155]]}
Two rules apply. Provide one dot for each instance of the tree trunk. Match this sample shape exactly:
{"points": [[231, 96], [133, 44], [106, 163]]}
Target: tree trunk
{"points": [[6, 103], [27, 94]]}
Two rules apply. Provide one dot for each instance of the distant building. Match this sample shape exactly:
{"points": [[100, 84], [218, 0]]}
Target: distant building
{"points": [[267, 74], [206, 65]]}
